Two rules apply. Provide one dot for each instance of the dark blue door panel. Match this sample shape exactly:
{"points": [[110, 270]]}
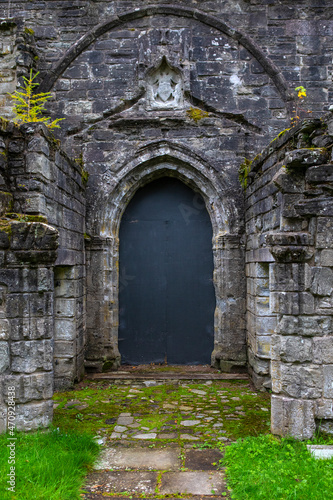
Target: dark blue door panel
{"points": [[167, 298]]}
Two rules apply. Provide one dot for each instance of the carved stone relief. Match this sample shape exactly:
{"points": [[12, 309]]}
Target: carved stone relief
{"points": [[165, 87]]}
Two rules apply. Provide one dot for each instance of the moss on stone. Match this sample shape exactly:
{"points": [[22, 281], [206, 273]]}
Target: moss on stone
{"points": [[95, 406], [26, 217], [196, 114], [4, 123], [5, 226], [84, 176], [29, 31]]}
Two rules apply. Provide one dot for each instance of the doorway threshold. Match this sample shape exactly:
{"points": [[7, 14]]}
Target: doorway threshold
{"points": [[167, 372]]}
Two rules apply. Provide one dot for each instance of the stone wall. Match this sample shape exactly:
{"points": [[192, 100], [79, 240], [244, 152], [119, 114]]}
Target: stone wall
{"points": [[290, 276], [152, 90], [209, 86], [41, 180]]}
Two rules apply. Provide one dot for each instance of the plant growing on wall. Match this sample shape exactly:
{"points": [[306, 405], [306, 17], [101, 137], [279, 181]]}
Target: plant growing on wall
{"points": [[29, 107], [301, 94], [243, 172]]}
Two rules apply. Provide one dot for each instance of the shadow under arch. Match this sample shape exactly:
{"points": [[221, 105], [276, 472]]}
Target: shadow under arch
{"points": [[228, 255], [174, 10]]}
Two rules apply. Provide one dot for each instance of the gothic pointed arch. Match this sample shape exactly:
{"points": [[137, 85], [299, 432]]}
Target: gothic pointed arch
{"points": [[161, 160], [174, 10]]}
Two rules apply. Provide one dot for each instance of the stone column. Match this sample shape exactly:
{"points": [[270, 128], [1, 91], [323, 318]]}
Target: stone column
{"points": [[229, 280], [296, 380], [27, 253], [103, 281]]}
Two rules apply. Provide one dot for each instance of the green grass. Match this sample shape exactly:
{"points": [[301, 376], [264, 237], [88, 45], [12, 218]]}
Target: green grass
{"points": [[49, 465], [269, 468]]}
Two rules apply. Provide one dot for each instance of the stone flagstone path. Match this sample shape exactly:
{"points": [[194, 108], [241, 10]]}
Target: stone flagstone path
{"points": [[162, 439], [146, 472]]}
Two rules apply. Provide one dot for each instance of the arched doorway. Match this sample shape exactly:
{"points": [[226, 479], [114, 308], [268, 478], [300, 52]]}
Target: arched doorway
{"points": [[166, 292]]}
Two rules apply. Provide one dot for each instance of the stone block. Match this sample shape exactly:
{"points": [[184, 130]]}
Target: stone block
{"points": [[65, 367], [315, 207], [260, 287], [34, 203], [4, 329], [288, 205], [323, 350], [64, 329], [328, 381], [262, 306], [305, 325], [295, 349], [45, 279], [257, 270], [30, 356], [4, 357], [315, 325], [285, 303], [287, 183], [324, 408], [39, 145], [326, 258], [324, 237], [306, 303], [275, 373], [65, 307], [264, 346], [260, 366], [32, 416], [322, 281], [39, 165], [302, 381], [300, 158], [64, 349], [292, 417], [32, 328], [6, 201], [321, 173], [286, 277], [265, 324], [66, 288], [31, 387]]}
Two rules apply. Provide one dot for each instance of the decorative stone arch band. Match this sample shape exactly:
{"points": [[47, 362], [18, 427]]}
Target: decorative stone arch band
{"points": [[155, 161], [173, 10]]}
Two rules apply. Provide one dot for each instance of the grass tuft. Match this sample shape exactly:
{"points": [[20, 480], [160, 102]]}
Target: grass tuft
{"points": [[269, 468], [50, 465]]}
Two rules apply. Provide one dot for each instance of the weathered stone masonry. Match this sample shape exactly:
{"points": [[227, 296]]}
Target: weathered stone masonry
{"points": [[130, 79], [290, 279], [42, 273]]}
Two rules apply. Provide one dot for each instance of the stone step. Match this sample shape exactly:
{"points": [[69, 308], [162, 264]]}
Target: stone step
{"points": [[162, 377], [149, 483], [158, 459]]}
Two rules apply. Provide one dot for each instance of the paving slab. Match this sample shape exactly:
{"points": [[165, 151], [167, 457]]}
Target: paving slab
{"points": [[190, 423], [189, 437], [194, 483], [125, 420], [119, 482], [321, 451], [150, 435], [202, 459], [139, 458]]}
